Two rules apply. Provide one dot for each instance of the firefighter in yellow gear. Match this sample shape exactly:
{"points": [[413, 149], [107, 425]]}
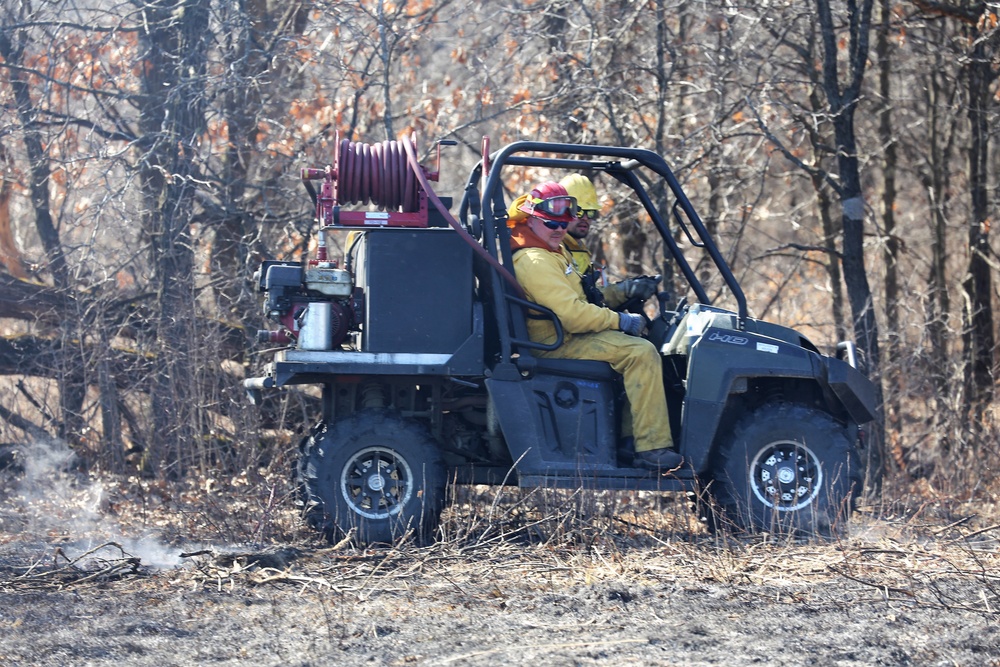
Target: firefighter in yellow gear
{"points": [[614, 295], [544, 268]]}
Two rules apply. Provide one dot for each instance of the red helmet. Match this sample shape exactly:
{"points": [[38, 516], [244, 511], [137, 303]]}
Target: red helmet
{"points": [[551, 202]]}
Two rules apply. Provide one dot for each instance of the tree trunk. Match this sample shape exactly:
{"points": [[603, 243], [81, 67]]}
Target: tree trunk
{"points": [[172, 120], [818, 137], [832, 262], [937, 181], [242, 105], [890, 249], [71, 387], [843, 104], [979, 336]]}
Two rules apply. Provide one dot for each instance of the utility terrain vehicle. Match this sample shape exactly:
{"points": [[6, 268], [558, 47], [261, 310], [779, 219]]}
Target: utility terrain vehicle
{"points": [[418, 341]]}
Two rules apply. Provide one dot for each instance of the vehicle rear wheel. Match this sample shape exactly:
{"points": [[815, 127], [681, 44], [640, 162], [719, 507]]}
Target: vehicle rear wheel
{"points": [[789, 469], [374, 472]]}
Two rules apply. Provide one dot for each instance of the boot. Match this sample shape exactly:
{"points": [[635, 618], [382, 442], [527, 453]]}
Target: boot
{"points": [[658, 459]]}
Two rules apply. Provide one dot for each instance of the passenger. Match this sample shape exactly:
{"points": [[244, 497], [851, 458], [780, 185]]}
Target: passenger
{"points": [[615, 295], [545, 270]]}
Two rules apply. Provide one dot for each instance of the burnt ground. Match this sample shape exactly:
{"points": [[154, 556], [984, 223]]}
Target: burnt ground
{"points": [[92, 573]]}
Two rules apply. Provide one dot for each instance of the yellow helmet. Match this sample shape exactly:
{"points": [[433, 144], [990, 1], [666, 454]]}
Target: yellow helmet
{"points": [[580, 187]]}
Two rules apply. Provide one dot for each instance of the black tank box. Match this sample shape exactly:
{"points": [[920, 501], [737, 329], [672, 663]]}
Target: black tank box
{"points": [[418, 290]]}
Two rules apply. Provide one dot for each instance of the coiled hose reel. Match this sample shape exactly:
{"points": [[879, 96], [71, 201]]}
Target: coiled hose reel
{"points": [[370, 174]]}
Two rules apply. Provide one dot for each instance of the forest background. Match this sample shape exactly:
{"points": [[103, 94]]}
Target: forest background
{"points": [[843, 153]]}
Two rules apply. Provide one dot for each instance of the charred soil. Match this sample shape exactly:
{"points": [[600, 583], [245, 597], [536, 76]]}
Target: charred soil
{"points": [[145, 574]]}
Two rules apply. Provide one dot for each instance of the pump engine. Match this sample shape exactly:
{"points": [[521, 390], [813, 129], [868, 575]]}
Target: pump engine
{"points": [[314, 307]]}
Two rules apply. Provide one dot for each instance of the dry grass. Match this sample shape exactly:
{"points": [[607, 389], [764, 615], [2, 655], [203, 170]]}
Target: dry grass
{"points": [[245, 532], [224, 569]]}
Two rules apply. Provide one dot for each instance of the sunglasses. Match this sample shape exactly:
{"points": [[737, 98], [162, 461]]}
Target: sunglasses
{"points": [[588, 213], [554, 224], [555, 206]]}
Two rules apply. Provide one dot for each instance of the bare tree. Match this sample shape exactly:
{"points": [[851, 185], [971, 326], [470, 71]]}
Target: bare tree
{"points": [[888, 141], [980, 342], [842, 43], [981, 32], [174, 43], [14, 39], [100, 104], [151, 149]]}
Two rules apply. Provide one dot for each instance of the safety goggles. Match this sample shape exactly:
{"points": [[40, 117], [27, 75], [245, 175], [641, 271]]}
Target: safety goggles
{"points": [[561, 205], [588, 213], [554, 224]]}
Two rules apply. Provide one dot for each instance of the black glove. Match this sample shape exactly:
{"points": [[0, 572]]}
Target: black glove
{"points": [[642, 287], [631, 324]]}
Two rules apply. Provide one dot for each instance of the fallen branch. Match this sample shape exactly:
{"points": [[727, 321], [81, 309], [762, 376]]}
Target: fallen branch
{"points": [[886, 589], [974, 533], [73, 573]]}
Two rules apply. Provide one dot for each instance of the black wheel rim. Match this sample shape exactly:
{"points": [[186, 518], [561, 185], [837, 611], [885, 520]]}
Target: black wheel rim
{"points": [[376, 483], [786, 476]]}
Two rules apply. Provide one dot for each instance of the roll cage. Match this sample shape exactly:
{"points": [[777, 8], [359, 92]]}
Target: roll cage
{"points": [[484, 211]]}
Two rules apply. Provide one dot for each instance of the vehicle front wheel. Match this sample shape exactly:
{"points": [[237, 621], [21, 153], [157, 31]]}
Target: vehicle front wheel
{"points": [[374, 472], [786, 468]]}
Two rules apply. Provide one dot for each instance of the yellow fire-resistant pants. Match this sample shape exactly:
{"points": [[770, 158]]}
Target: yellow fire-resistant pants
{"points": [[639, 363]]}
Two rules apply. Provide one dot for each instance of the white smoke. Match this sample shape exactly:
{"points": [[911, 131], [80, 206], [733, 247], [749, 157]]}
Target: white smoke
{"points": [[51, 503]]}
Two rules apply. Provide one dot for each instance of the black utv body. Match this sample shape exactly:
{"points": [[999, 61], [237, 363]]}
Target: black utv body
{"points": [[420, 345]]}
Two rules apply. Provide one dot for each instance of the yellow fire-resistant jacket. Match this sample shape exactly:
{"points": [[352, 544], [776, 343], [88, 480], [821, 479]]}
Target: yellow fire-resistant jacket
{"points": [[614, 295], [550, 279]]}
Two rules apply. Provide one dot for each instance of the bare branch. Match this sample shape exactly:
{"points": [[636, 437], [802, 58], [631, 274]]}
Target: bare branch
{"points": [[802, 247], [809, 169]]}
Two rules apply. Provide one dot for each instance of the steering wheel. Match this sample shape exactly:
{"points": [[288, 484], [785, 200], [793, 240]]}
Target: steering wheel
{"points": [[660, 329], [634, 305]]}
